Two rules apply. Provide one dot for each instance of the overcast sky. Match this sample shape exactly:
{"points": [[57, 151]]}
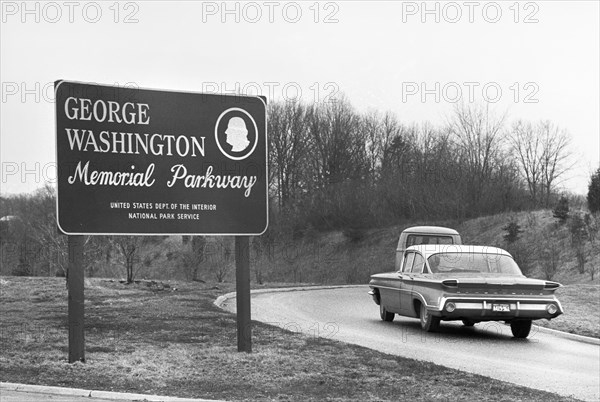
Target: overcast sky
{"points": [[533, 60]]}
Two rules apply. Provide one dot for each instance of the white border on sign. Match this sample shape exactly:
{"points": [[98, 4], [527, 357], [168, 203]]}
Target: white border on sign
{"points": [[235, 158], [57, 85]]}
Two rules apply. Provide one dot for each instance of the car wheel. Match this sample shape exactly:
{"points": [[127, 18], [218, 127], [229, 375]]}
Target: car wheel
{"points": [[520, 328], [429, 322], [468, 323], [384, 314]]}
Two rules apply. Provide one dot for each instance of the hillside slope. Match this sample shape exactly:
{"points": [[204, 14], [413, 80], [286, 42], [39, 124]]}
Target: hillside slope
{"points": [[541, 232], [336, 257]]}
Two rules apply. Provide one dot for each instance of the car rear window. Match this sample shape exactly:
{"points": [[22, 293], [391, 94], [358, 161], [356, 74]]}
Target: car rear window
{"points": [[484, 263], [415, 240]]}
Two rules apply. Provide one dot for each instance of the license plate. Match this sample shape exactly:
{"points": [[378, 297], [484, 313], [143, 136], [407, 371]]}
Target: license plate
{"points": [[500, 307]]}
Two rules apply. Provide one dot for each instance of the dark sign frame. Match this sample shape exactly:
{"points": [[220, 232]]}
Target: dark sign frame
{"points": [[133, 161]]}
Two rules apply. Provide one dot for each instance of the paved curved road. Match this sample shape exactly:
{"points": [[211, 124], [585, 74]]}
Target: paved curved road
{"points": [[542, 361]]}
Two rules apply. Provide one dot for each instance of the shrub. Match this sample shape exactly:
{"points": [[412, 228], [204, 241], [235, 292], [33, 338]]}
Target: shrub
{"points": [[354, 233], [593, 196], [22, 269], [513, 230], [523, 256], [550, 261], [561, 211], [592, 226], [578, 230], [548, 253]]}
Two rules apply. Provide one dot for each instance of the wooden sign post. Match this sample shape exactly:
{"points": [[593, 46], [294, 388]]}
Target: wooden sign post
{"points": [[76, 300], [242, 287]]}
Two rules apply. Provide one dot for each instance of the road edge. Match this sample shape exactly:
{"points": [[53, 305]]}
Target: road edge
{"points": [[568, 335], [219, 301], [78, 392]]}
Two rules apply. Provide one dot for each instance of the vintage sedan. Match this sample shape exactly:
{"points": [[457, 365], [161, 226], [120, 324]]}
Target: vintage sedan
{"points": [[469, 283]]}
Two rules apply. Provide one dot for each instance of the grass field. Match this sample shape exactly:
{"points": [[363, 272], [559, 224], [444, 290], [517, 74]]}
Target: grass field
{"points": [[174, 341]]}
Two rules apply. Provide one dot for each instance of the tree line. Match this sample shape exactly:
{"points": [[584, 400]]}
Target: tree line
{"points": [[332, 167]]}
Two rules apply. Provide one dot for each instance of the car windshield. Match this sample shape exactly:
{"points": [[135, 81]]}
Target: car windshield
{"points": [[414, 240], [473, 262]]}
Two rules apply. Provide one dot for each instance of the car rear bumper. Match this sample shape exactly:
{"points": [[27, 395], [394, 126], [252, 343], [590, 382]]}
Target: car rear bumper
{"points": [[499, 309], [375, 296]]}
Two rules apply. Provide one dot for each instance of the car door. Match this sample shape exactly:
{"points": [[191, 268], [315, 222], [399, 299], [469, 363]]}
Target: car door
{"points": [[417, 290], [405, 284]]}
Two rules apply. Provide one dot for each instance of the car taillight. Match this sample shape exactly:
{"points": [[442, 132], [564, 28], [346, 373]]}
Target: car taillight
{"points": [[450, 283], [450, 307], [552, 285], [551, 308]]}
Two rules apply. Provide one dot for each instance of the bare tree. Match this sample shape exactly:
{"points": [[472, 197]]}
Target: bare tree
{"points": [[555, 156], [579, 237], [549, 257], [338, 152], [372, 127], [478, 133], [526, 146], [218, 258], [543, 155], [221, 271], [129, 248], [198, 246], [193, 257], [398, 149], [39, 247], [289, 147], [379, 133]]}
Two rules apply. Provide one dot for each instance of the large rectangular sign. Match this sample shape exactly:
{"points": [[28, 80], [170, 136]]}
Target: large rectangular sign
{"points": [[141, 161]]}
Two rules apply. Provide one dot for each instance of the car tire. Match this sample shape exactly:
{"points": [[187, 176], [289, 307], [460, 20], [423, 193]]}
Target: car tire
{"points": [[429, 322], [468, 323], [384, 314], [520, 328]]}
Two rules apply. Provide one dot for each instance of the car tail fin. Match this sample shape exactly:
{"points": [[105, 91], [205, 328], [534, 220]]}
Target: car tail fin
{"points": [[450, 283]]}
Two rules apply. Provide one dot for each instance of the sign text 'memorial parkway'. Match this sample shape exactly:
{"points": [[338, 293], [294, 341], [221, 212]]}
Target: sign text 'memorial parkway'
{"points": [[141, 161]]}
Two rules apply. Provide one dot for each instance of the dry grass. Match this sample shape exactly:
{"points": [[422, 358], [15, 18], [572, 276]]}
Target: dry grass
{"points": [[580, 303], [537, 227], [176, 342]]}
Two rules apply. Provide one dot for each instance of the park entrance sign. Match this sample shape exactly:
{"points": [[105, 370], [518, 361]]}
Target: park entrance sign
{"points": [[142, 162], [146, 162]]}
